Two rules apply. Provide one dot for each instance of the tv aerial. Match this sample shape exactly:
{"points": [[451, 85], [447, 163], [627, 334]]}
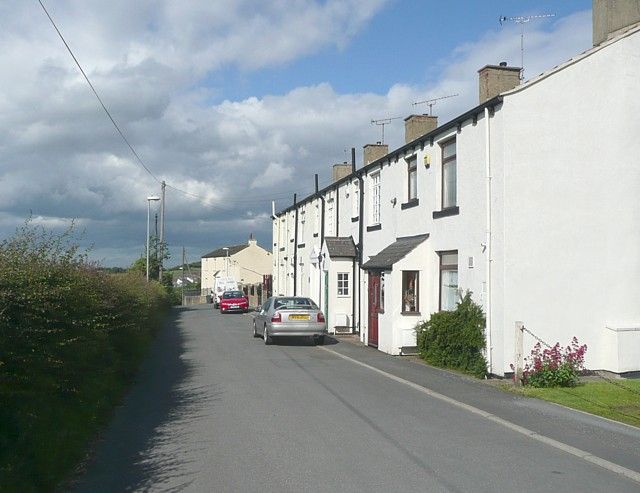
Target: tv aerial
{"points": [[432, 102], [522, 20], [382, 122]]}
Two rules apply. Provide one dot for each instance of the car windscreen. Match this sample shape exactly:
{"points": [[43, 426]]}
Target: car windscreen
{"points": [[293, 303], [232, 294]]}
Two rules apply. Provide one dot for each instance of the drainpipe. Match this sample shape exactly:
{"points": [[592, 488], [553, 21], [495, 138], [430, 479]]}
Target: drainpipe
{"points": [[360, 238], [488, 244], [295, 247], [276, 254], [353, 283], [337, 211]]}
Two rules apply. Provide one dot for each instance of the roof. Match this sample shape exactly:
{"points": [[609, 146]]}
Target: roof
{"points": [[221, 252], [399, 152], [494, 103], [394, 252], [340, 246]]}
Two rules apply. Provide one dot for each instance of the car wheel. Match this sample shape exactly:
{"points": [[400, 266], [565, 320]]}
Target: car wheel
{"points": [[319, 340], [267, 338]]}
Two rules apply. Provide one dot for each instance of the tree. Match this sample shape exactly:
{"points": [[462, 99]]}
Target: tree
{"points": [[157, 250]]}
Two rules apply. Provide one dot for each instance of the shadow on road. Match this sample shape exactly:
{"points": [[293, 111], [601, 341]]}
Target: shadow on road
{"points": [[135, 451], [301, 341]]}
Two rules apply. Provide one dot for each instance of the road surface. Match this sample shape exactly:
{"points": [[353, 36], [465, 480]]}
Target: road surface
{"points": [[215, 410]]}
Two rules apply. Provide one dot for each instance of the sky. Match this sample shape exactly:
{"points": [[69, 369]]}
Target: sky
{"points": [[234, 103]]}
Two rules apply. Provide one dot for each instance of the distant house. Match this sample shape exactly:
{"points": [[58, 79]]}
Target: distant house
{"points": [[246, 263]]}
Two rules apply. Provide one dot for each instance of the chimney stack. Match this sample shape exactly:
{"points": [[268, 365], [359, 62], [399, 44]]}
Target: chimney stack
{"points": [[495, 79], [373, 152], [340, 171], [417, 125], [610, 16]]}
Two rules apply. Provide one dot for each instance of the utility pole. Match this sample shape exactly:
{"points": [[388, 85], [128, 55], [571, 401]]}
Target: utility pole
{"points": [[183, 260], [162, 194]]}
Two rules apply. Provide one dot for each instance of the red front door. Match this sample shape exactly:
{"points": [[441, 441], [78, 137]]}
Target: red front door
{"points": [[374, 307]]}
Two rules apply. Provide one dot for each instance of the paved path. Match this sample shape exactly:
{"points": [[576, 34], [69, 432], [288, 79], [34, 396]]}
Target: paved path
{"points": [[216, 410]]}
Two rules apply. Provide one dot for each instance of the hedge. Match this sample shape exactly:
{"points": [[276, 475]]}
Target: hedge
{"points": [[71, 339]]}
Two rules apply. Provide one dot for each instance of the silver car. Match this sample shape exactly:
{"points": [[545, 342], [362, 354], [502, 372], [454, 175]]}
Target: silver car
{"points": [[289, 316]]}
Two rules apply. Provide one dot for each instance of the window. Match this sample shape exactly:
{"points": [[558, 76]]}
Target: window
{"points": [[375, 198], [449, 174], [355, 204], [410, 291], [448, 280], [412, 174], [316, 224], [329, 217], [343, 284]]}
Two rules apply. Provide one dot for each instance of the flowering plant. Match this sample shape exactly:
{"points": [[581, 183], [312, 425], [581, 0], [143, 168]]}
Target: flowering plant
{"points": [[554, 367]]}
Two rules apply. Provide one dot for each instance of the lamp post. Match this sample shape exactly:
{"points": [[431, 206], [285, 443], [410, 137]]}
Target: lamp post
{"points": [[226, 260], [149, 200]]}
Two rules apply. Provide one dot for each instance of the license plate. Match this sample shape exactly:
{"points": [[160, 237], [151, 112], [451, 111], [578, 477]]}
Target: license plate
{"points": [[298, 317], [234, 306]]}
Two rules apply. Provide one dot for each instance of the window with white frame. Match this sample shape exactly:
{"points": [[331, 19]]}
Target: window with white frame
{"points": [[412, 175], [343, 284], [448, 280], [449, 174], [375, 198]]}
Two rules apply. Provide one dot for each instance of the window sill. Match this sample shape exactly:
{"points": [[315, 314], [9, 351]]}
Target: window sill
{"points": [[449, 211], [409, 204], [355, 219], [300, 245], [315, 235], [411, 314], [282, 249], [375, 227]]}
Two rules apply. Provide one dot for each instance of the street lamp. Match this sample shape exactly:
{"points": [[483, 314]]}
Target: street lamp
{"points": [[226, 260], [149, 200]]}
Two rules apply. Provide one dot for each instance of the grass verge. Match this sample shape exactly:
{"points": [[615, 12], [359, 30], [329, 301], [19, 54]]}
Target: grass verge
{"points": [[619, 401]]}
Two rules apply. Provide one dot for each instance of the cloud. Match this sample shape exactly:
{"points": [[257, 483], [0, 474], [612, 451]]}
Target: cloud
{"points": [[60, 156]]}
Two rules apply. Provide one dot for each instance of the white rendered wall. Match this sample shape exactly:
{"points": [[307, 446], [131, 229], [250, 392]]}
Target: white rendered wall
{"points": [[571, 226]]}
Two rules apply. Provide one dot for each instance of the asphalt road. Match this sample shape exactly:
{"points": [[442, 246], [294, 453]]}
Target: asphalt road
{"points": [[215, 410]]}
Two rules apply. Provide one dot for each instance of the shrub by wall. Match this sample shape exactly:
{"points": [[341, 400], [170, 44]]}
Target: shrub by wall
{"points": [[455, 339], [71, 338]]}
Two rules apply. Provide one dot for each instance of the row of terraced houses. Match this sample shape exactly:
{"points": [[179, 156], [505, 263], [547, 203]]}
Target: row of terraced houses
{"points": [[528, 200]]}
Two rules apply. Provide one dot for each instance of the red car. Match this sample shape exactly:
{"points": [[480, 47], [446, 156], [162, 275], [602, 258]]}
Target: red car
{"points": [[234, 301]]}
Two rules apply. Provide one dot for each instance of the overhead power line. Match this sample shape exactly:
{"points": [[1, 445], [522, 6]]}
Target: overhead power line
{"points": [[115, 124]]}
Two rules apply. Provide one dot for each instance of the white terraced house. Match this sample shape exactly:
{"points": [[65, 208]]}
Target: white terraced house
{"points": [[529, 200]]}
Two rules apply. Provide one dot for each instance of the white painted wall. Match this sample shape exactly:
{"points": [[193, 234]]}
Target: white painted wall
{"points": [[571, 212]]}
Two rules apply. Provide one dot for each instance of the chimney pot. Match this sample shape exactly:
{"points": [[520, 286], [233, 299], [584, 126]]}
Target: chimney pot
{"points": [[503, 64]]}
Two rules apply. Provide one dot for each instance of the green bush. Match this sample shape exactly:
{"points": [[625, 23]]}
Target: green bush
{"points": [[455, 339], [71, 338]]}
